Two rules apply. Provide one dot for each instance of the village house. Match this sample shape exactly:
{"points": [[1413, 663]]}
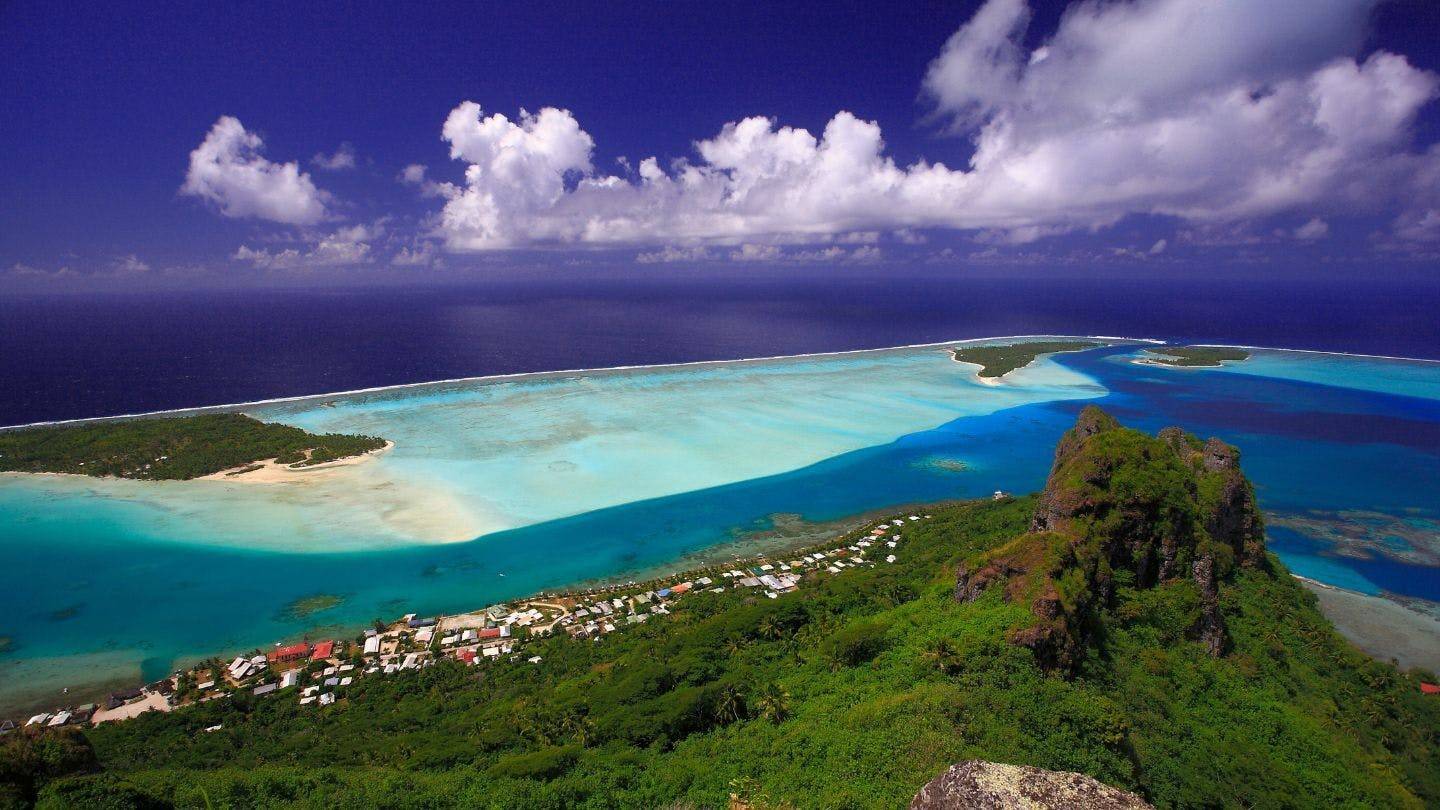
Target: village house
{"points": [[471, 637], [294, 652]]}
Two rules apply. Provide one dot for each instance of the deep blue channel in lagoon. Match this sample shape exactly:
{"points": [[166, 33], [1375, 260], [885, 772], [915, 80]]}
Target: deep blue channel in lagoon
{"points": [[1307, 447]]}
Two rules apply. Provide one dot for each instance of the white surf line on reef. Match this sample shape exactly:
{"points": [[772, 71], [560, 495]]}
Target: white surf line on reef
{"points": [[199, 409]]}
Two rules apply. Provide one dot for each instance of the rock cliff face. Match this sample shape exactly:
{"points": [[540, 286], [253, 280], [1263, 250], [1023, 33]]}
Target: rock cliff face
{"points": [[1120, 506], [980, 785]]}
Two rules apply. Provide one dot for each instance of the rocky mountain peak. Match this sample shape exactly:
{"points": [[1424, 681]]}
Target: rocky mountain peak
{"points": [[1152, 510]]}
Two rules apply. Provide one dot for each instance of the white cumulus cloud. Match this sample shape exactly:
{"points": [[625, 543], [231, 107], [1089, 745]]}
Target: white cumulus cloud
{"points": [[671, 253], [339, 160], [1208, 112], [1419, 226], [418, 256], [750, 252], [1316, 228], [517, 171], [227, 169], [344, 247], [129, 264]]}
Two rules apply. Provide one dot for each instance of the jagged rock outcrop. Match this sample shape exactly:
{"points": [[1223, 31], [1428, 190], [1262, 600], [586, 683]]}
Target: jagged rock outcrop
{"points": [[980, 785], [1057, 504], [1153, 510], [1232, 516]]}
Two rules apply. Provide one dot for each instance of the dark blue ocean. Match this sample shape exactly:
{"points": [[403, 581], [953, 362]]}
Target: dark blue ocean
{"points": [[66, 356]]}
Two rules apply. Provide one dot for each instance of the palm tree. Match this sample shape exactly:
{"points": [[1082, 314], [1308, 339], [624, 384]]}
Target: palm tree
{"points": [[942, 654], [773, 702], [578, 726], [769, 628], [1373, 712], [730, 706]]}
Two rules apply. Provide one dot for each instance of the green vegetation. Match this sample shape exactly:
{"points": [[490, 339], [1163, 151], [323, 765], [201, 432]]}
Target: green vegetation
{"points": [[29, 761], [860, 687], [170, 448], [1123, 507], [997, 361], [1195, 356]]}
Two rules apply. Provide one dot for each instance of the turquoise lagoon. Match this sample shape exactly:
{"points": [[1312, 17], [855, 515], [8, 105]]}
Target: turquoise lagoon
{"points": [[501, 487]]}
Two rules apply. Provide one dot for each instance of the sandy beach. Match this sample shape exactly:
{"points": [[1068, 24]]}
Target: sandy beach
{"points": [[1141, 361], [354, 503], [1000, 381], [1381, 628], [271, 472]]}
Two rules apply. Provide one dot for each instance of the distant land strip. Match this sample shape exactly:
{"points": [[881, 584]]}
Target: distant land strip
{"points": [[1195, 356], [171, 448], [997, 361]]}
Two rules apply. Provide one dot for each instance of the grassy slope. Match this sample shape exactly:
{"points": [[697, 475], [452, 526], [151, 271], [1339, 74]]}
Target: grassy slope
{"points": [[997, 361], [850, 693], [192, 446]]}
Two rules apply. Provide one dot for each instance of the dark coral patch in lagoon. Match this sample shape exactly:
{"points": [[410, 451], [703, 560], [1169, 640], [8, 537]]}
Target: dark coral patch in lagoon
{"points": [[66, 613], [307, 606]]}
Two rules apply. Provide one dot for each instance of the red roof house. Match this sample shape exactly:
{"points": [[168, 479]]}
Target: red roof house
{"points": [[323, 650], [294, 652], [1429, 688], [489, 632]]}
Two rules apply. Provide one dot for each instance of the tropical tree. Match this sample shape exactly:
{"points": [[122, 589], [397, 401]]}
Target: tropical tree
{"points": [[773, 702], [730, 705]]}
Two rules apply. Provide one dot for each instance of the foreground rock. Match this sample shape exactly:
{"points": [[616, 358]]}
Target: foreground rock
{"points": [[990, 785]]}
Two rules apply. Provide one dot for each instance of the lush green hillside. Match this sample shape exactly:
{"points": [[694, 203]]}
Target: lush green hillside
{"points": [[1187, 356], [858, 688], [170, 447], [997, 361]]}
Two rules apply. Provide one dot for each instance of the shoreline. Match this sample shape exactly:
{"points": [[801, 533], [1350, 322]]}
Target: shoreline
{"points": [[195, 409], [1140, 361], [268, 471], [789, 535], [1378, 626], [999, 381], [271, 472], [758, 544]]}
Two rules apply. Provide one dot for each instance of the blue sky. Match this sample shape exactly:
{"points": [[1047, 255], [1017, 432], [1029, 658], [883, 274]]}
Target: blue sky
{"points": [[263, 143]]}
